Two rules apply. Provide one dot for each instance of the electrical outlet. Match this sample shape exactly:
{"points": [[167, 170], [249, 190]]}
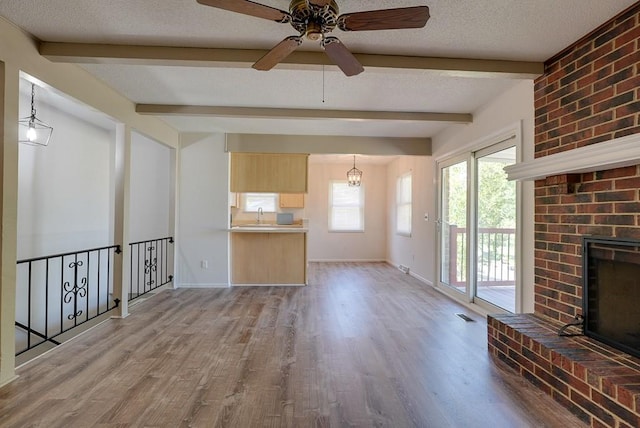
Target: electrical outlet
{"points": [[204, 264]]}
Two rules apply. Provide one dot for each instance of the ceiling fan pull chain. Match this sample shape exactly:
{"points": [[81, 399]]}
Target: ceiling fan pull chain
{"points": [[322, 83]]}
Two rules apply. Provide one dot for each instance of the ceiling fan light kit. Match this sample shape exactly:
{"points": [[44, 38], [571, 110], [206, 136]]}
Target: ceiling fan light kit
{"points": [[314, 19]]}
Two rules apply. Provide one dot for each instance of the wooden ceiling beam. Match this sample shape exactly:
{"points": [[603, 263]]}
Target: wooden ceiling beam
{"points": [[87, 53], [286, 113]]}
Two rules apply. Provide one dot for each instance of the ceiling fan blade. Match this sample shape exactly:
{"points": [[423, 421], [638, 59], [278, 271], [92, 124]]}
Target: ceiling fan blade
{"points": [[341, 56], [278, 53], [319, 3], [247, 7], [385, 19]]}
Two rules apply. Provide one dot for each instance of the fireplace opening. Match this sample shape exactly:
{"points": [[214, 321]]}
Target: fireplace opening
{"points": [[611, 303]]}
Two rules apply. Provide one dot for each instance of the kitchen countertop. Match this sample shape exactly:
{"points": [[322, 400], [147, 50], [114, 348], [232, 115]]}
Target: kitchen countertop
{"points": [[268, 228]]}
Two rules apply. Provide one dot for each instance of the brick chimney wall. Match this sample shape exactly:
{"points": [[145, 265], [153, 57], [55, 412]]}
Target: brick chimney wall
{"points": [[589, 93]]}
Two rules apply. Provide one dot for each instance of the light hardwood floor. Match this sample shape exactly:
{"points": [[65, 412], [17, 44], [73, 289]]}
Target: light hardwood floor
{"points": [[362, 345]]}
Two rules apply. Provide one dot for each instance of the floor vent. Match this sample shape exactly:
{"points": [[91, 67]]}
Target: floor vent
{"points": [[404, 268], [466, 318]]}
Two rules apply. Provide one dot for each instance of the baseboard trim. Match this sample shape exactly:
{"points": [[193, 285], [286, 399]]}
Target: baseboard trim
{"points": [[268, 285], [203, 285], [421, 279], [411, 273], [8, 381], [346, 261]]}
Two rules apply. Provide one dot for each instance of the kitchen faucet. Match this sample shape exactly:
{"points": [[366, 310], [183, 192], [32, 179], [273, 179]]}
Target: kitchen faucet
{"points": [[260, 213]]}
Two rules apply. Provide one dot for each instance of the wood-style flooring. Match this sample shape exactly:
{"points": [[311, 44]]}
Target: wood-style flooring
{"points": [[362, 345]]}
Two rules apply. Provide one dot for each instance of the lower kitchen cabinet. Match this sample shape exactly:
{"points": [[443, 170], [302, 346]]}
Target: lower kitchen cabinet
{"points": [[268, 258]]}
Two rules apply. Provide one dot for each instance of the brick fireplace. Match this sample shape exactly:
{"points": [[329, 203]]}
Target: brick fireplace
{"points": [[588, 95]]}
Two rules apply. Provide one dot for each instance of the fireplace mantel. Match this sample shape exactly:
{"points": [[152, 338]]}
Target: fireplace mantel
{"points": [[616, 153]]}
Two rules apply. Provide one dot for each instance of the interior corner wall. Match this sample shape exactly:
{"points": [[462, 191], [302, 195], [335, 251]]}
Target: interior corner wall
{"points": [[203, 212], [150, 189], [369, 245], [514, 106], [64, 189], [9, 89], [415, 251]]}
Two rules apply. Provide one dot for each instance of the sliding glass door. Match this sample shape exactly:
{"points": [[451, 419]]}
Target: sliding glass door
{"points": [[495, 230], [453, 226], [477, 227]]}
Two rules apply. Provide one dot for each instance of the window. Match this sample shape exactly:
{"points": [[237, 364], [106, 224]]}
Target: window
{"points": [[403, 205], [266, 201], [346, 207]]}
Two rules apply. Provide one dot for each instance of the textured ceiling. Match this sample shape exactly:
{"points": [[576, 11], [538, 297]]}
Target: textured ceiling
{"points": [[499, 29], [490, 29]]}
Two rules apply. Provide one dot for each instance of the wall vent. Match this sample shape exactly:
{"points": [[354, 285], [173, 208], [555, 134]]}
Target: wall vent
{"points": [[403, 268]]}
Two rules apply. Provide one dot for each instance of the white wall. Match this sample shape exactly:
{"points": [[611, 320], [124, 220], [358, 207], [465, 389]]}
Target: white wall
{"points": [[65, 198], [150, 189], [65, 204], [415, 251], [514, 107], [367, 246], [203, 212]]}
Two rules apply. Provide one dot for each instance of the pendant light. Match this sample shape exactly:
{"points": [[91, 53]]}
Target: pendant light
{"points": [[33, 130], [354, 175]]}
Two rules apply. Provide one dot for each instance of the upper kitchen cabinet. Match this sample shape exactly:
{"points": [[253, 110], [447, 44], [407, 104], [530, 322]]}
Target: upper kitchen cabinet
{"points": [[269, 172], [291, 200]]}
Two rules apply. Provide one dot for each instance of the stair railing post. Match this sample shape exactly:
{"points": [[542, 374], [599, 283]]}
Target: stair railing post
{"points": [[122, 263]]}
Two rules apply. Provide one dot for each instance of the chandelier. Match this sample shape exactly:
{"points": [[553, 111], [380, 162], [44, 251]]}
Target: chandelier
{"points": [[33, 130], [354, 175]]}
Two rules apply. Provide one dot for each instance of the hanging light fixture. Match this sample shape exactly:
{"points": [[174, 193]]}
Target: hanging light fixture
{"points": [[33, 130], [354, 175]]}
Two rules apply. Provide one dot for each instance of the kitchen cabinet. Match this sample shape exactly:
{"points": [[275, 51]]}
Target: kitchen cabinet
{"points": [[291, 200], [269, 172]]}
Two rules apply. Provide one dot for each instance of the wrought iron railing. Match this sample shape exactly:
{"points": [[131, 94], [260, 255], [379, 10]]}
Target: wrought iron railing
{"points": [[151, 262], [57, 293], [496, 253]]}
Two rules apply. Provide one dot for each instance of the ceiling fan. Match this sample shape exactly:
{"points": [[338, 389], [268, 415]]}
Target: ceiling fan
{"points": [[315, 19]]}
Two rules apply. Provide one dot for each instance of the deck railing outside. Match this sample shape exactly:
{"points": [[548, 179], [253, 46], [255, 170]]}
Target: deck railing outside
{"points": [[496, 256]]}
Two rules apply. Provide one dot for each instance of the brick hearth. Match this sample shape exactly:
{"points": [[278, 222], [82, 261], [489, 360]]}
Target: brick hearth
{"points": [[597, 383]]}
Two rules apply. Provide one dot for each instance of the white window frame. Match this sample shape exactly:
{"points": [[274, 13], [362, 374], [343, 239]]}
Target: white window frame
{"points": [[404, 203], [246, 198], [359, 204]]}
